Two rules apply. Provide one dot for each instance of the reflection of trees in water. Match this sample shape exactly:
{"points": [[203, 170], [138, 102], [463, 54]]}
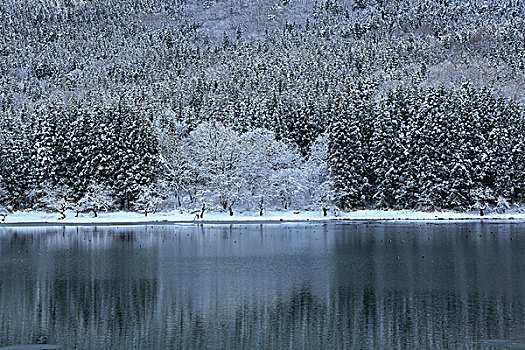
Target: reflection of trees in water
{"points": [[92, 311], [102, 308], [84, 285], [439, 285], [356, 319], [364, 318], [134, 313], [103, 297]]}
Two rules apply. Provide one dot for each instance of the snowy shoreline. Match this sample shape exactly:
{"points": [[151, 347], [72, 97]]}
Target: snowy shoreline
{"points": [[175, 217]]}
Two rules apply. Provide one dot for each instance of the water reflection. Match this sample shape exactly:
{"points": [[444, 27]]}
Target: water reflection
{"points": [[348, 286]]}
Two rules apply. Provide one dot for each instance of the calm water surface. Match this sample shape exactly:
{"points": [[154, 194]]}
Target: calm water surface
{"points": [[311, 286]]}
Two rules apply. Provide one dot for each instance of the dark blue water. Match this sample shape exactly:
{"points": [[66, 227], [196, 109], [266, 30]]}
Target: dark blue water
{"points": [[315, 286]]}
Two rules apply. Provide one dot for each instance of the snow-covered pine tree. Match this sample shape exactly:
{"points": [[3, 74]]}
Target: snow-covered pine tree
{"points": [[349, 147], [134, 154], [16, 169]]}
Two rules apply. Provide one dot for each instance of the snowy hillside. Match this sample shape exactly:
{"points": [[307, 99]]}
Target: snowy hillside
{"points": [[261, 105]]}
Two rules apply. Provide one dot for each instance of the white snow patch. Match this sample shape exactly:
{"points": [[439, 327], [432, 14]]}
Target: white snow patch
{"points": [[31, 217]]}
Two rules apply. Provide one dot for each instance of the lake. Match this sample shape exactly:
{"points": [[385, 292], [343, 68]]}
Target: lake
{"points": [[270, 286]]}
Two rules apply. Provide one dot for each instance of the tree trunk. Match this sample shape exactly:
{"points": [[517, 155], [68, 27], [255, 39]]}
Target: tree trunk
{"points": [[123, 200], [77, 214], [178, 201], [145, 212], [231, 210], [3, 217], [62, 215], [203, 210], [325, 211], [94, 212], [261, 206]]}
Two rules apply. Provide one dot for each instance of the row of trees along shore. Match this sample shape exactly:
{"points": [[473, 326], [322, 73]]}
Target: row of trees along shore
{"points": [[410, 149]]}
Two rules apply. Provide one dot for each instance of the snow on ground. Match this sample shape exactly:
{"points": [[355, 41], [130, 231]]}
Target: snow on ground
{"points": [[36, 218]]}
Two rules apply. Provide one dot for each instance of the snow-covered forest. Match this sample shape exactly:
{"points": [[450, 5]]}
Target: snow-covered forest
{"points": [[258, 105]]}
